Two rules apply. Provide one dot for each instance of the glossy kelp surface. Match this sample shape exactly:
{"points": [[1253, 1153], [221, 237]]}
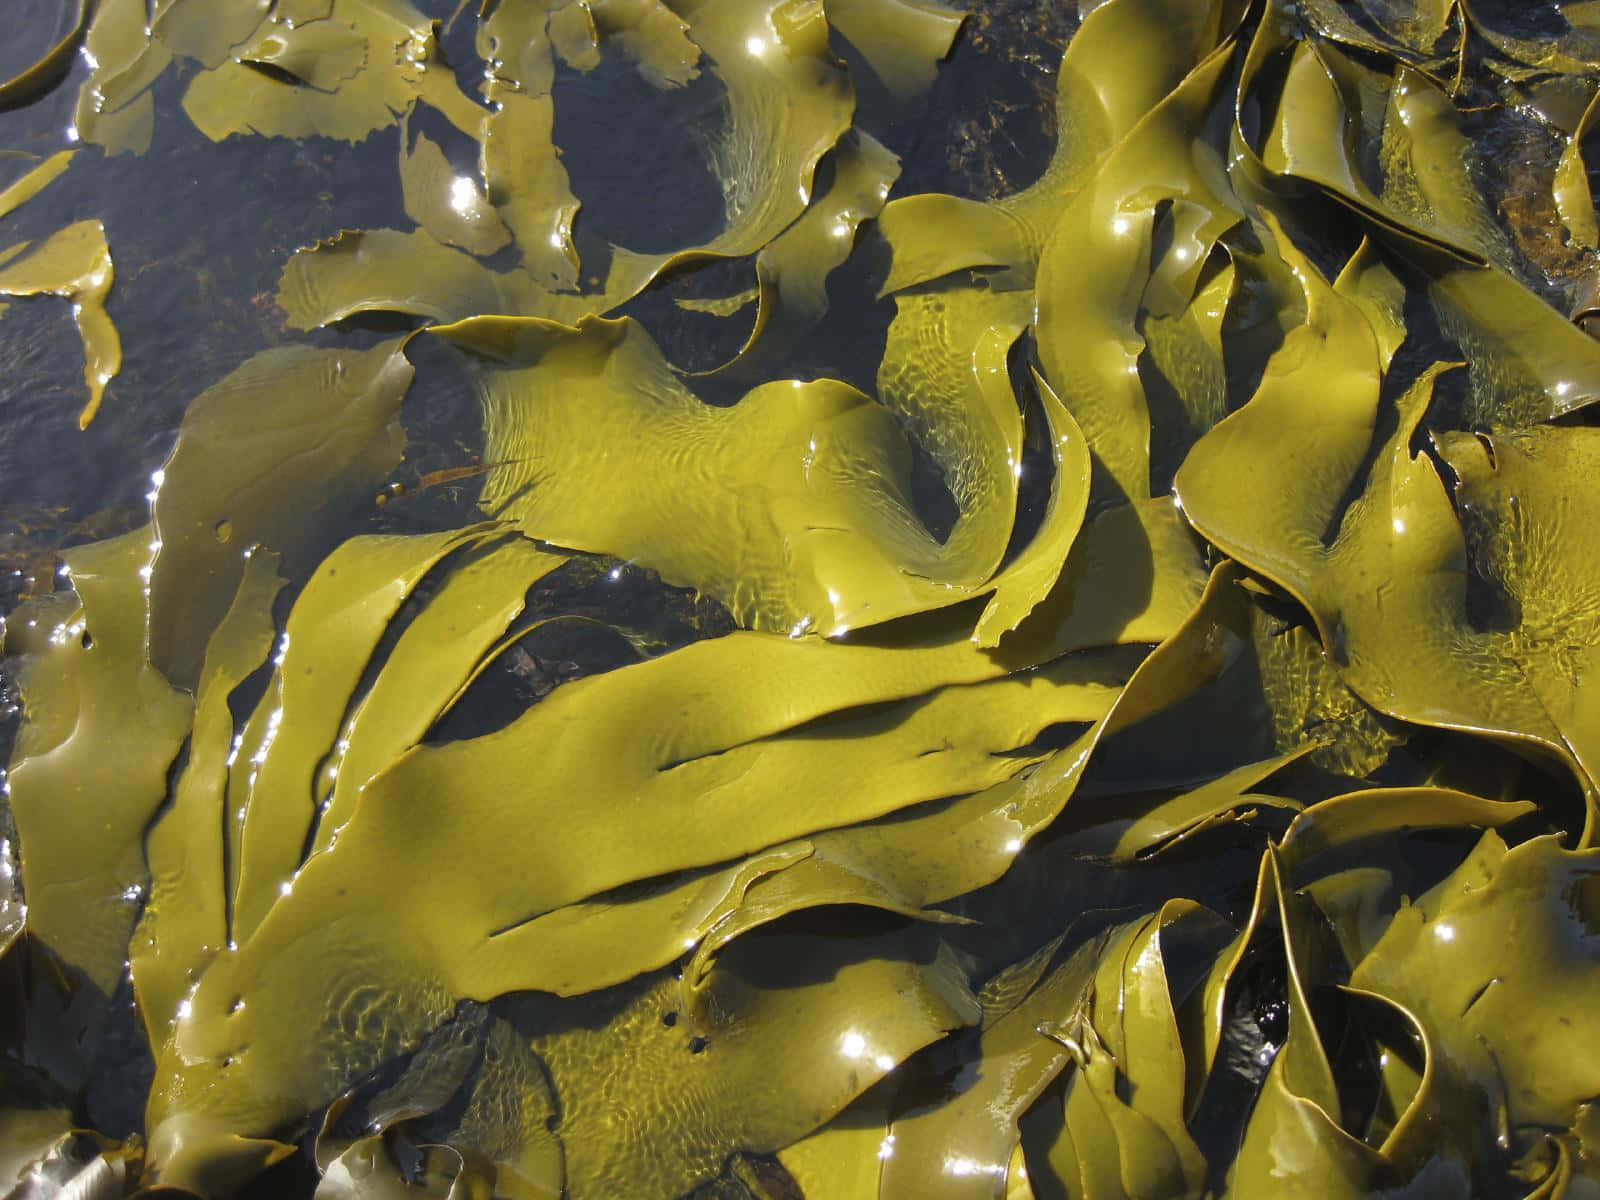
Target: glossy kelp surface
{"points": [[1124, 732]]}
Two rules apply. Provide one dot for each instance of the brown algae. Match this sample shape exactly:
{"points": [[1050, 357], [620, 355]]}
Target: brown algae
{"points": [[1206, 806]]}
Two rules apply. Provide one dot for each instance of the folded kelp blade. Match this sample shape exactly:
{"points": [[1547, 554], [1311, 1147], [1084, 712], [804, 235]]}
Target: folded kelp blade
{"points": [[1160, 41], [1105, 1015], [273, 454], [1423, 199], [1389, 594]]}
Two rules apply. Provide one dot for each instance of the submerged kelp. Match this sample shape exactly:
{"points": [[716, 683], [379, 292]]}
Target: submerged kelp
{"points": [[1129, 739]]}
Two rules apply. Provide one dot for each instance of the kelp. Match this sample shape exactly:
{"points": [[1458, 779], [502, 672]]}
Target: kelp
{"points": [[73, 263], [1142, 748]]}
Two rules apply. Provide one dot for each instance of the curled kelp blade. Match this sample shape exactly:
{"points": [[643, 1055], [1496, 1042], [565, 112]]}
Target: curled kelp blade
{"points": [[1403, 526], [1294, 1135], [1022, 583], [1110, 997], [792, 270], [1088, 340], [474, 1101], [932, 235], [48, 69], [1116, 1127], [945, 373], [1573, 197]]}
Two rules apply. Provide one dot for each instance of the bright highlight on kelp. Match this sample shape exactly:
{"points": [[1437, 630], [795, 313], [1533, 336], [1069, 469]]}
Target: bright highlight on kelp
{"points": [[1208, 809]]}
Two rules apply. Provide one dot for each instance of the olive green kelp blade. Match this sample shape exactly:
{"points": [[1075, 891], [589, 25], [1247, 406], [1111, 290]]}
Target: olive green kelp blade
{"points": [[799, 515], [91, 770], [1408, 650], [75, 264], [271, 454]]}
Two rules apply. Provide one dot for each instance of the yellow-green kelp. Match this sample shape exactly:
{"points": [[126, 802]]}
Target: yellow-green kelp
{"points": [[1208, 807]]}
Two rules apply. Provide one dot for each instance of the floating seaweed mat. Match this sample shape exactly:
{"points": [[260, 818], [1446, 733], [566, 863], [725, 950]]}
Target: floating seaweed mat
{"points": [[1207, 807]]}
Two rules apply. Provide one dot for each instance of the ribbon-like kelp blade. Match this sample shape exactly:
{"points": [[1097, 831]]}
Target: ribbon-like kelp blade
{"points": [[185, 920]]}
